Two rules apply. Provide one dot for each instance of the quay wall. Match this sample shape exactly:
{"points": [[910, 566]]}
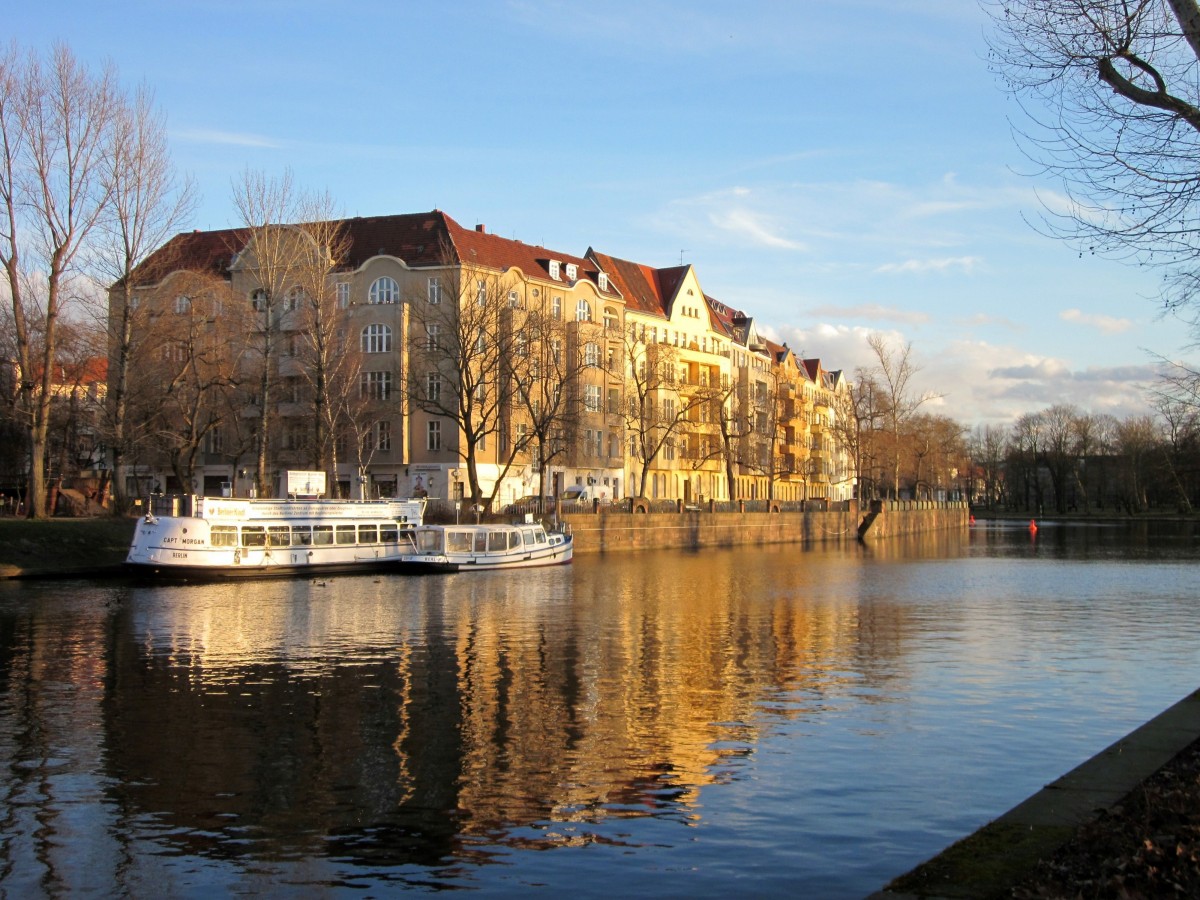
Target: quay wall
{"points": [[610, 531]]}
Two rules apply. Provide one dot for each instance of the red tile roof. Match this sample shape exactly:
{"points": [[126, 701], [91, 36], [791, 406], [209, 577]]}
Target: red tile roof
{"points": [[419, 239]]}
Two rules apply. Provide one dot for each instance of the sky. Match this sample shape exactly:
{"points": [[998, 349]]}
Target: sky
{"points": [[832, 169]]}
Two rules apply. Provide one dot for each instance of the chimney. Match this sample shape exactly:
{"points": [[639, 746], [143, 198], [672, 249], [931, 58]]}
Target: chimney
{"points": [[480, 228]]}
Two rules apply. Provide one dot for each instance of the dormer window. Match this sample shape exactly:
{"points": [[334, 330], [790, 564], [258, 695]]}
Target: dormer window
{"points": [[572, 272], [554, 264], [602, 281]]}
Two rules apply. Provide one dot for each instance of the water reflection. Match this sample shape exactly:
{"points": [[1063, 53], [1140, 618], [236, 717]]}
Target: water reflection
{"points": [[731, 710]]}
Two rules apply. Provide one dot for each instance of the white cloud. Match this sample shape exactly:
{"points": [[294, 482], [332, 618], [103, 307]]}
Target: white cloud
{"points": [[757, 228], [965, 264], [871, 312], [1105, 324], [224, 138]]}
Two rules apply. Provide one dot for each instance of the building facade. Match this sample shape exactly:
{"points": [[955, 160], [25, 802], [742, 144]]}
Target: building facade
{"points": [[408, 355]]}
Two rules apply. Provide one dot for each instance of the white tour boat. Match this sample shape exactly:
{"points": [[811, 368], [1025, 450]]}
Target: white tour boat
{"points": [[455, 548], [221, 537]]}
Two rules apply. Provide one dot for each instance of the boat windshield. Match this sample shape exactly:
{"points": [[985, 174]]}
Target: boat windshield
{"points": [[429, 541]]}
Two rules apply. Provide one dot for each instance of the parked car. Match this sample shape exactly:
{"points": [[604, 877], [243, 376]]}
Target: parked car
{"points": [[530, 503]]}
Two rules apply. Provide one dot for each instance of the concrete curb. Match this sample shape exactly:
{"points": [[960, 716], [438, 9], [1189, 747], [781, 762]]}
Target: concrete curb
{"points": [[992, 860]]}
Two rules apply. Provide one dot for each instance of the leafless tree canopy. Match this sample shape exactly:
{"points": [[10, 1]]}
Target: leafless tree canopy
{"points": [[1111, 95]]}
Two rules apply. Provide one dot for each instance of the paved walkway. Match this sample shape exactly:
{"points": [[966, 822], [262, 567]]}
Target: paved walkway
{"points": [[989, 862]]}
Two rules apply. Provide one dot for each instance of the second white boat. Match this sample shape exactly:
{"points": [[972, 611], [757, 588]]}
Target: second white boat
{"points": [[454, 548]]}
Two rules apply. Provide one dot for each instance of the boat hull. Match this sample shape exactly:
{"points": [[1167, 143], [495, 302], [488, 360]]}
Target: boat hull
{"points": [[552, 556]]}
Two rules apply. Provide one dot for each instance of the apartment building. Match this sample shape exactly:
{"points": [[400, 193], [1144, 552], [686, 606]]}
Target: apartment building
{"points": [[407, 354]]}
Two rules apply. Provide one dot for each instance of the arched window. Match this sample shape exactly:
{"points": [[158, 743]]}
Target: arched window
{"points": [[583, 311], [258, 300], [183, 304], [384, 290], [376, 339]]}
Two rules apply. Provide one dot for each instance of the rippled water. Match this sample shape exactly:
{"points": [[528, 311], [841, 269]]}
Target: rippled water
{"points": [[774, 721]]}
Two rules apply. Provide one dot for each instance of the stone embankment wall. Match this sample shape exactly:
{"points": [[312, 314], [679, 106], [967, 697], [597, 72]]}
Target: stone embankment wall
{"points": [[612, 531]]}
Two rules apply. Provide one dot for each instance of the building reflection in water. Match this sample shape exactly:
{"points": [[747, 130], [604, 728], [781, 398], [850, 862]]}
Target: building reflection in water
{"points": [[414, 720], [435, 721]]}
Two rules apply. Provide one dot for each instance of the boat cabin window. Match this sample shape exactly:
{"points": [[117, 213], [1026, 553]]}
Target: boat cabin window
{"points": [[429, 541], [224, 535], [458, 542], [345, 534], [389, 534], [498, 541], [527, 534], [368, 534], [323, 534], [254, 536], [539, 535], [481, 542], [514, 540], [302, 535], [279, 536]]}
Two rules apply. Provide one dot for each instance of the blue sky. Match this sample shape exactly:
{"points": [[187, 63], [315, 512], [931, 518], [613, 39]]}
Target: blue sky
{"points": [[833, 169]]}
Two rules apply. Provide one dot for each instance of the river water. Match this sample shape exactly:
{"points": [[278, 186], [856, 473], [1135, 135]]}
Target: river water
{"points": [[776, 722]]}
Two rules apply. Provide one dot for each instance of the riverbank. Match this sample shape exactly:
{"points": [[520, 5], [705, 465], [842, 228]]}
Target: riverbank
{"points": [[49, 548]]}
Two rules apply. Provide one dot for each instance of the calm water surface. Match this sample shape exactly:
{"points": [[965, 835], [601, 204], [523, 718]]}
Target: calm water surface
{"points": [[770, 722]]}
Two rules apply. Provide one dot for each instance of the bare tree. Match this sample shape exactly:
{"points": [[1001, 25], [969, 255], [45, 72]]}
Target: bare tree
{"points": [[893, 374], [1111, 89], [465, 360], [275, 254], [195, 352], [149, 203], [546, 392], [56, 127], [656, 410]]}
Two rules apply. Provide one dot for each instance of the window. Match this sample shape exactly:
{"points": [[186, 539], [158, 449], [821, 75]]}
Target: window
{"points": [[583, 311], [293, 299], [614, 401], [431, 336], [433, 292], [343, 294], [378, 437], [514, 300], [433, 436], [375, 385], [384, 290], [554, 264], [293, 436], [481, 292], [591, 354], [223, 536], [376, 339], [216, 440], [591, 397], [433, 386], [173, 351], [183, 304], [572, 272], [610, 319], [556, 307], [259, 300]]}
